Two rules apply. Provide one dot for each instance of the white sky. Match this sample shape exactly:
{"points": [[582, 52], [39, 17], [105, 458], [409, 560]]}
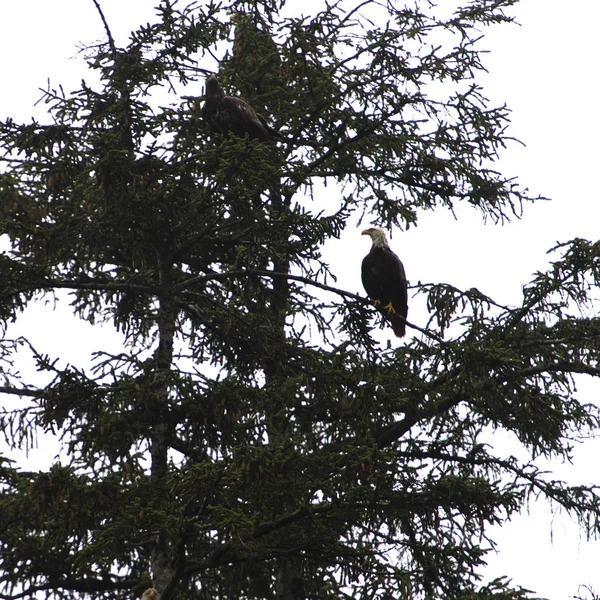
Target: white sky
{"points": [[546, 72]]}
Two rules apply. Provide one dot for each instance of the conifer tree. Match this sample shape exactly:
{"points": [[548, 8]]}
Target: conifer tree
{"points": [[253, 439]]}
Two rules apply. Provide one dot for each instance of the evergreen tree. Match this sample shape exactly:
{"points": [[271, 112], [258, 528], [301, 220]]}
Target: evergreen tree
{"points": [[252, 439]]}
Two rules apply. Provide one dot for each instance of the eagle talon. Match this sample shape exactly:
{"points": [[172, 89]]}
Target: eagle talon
{"points": [[390, 308]]}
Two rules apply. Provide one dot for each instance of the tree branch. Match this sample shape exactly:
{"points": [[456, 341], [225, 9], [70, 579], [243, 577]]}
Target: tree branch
{"points": [[4, 389], [306, 280], [111, 40], [214, 558], [75, 585]]}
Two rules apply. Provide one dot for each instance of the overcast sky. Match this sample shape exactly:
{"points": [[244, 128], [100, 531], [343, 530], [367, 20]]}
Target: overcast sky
{"points": [[546, 71]]}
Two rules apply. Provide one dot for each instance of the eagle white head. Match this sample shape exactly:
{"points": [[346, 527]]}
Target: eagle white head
{"points": [[377, 236]]}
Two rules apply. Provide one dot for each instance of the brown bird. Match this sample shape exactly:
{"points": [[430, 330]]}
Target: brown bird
{"points": [[384, 280], [227, 114]]}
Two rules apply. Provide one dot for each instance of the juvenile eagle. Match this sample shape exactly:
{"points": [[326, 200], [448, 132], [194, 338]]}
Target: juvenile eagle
{"points": [[384, 281], [227, 114]]}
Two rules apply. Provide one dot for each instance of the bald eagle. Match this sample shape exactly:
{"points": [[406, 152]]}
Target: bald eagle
{"points": [[384, 280], [227, 114]]}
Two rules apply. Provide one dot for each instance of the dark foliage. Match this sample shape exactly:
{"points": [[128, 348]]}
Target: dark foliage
{"points": [[251, 440]]}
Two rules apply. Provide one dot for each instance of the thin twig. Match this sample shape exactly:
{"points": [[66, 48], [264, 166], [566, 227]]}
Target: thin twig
{"points": [[111, 40]]}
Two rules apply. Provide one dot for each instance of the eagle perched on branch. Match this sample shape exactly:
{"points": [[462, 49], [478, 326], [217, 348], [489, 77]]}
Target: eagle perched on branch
{"points": [[384, 280], [227, 114]]}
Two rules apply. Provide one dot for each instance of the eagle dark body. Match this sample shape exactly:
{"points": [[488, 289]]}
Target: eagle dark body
{"points": [[384, 281], [227, 114]]}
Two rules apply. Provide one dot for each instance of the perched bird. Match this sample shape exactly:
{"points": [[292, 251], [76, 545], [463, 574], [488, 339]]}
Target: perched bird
{"points": [[227, 114], [384, 280], [150, 594]]}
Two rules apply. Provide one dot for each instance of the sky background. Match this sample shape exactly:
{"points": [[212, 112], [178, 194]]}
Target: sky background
{"points": [[545, 70]]}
